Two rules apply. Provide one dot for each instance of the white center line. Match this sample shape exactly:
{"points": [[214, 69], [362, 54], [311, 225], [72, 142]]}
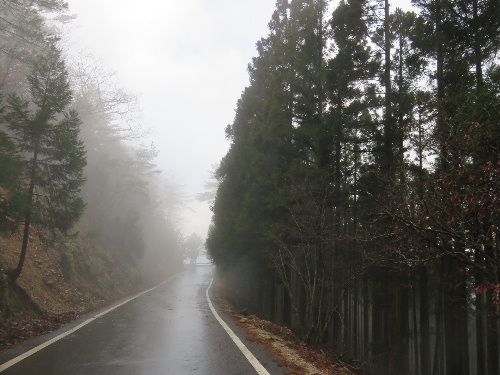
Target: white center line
{"points": [[261, 370]]}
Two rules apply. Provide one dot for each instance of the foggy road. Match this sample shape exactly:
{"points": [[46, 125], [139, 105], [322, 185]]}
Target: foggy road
{"points": [[169, 330]]}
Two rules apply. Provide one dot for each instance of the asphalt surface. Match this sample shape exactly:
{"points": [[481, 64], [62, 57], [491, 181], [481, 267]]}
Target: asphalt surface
{"points": [[168, 331]]}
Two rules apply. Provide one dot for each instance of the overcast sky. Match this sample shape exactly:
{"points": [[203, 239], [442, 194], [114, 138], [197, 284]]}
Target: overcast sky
{"points": [[186, 61]]}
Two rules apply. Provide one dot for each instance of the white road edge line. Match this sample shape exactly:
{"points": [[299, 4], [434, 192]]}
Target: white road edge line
{"points": [[36, 349], [261, 370]]}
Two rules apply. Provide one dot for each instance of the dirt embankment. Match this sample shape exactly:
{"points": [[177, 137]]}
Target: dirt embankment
{"points": [[61, 279]]}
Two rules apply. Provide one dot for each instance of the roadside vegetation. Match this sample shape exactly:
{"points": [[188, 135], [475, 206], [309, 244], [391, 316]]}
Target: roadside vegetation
{"points": [[85, 214], [359, 201]]}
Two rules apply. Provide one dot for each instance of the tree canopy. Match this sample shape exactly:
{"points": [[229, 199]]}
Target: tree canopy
{"points": [[362, 165]]}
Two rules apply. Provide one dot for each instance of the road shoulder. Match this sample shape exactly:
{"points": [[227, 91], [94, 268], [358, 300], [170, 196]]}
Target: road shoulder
{"points": [[275, 346], [272, 364]]}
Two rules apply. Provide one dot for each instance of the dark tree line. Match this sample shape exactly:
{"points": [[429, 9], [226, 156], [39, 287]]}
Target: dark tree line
{"points": [[359, 201]]}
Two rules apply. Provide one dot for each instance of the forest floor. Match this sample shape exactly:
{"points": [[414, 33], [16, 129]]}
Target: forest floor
{"points": [[51, 289], [286, 347]]}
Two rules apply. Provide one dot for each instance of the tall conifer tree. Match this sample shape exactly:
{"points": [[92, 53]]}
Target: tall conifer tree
{"points": [[48, 134]]}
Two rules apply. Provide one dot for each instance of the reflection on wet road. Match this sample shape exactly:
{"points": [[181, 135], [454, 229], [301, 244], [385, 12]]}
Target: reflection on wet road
{"points": [[169, 330]]}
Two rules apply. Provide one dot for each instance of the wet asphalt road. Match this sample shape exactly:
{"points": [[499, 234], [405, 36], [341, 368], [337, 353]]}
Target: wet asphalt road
{"points": [[168, 331]]}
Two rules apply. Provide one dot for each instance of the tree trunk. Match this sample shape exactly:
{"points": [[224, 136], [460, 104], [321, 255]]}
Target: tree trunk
{"points": [[424, 321], [477, 47], [441, 125], [401, 126], [388, 123], [27, 219]]}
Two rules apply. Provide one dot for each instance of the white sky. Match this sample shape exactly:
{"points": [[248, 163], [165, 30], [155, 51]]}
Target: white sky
{"points": [[186, 61]]}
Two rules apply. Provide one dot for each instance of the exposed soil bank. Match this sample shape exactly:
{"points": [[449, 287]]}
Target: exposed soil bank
{"points": [[61, 280]]}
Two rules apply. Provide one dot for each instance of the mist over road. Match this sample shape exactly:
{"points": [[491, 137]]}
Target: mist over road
{"points": [[169, 330]]}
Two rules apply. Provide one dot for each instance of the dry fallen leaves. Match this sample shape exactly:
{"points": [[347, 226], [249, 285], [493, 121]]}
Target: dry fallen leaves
{"points": [[286, 347]]}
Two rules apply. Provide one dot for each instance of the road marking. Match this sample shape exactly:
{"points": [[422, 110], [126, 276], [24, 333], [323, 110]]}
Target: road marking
{"points": [[261, 370], [36, 349]]}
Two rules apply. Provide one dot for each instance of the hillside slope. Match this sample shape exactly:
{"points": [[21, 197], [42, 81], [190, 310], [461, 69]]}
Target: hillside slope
{"points": [[61, 279]]}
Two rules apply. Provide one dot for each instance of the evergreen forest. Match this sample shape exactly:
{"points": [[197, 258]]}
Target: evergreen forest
{"points": [[359, 202]]}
